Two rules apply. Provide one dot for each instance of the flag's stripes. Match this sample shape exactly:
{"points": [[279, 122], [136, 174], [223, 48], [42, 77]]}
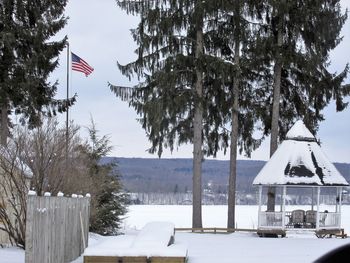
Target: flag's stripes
{"points": [[81, 65]]}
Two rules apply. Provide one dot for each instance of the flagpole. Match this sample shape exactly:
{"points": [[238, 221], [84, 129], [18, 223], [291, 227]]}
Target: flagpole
{"points": [[67, 110]]}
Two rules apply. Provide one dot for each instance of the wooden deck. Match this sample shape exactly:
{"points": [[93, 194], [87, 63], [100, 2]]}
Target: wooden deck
{"points": [[167, 259], [111, 259], [153, 244]]}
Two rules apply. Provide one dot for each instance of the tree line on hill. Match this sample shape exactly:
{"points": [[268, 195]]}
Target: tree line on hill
{"points": [[213, 72], [150, 179]]}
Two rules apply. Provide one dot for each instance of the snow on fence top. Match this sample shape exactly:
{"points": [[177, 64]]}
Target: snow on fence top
{"points": [[299, 160], [59, 194]]}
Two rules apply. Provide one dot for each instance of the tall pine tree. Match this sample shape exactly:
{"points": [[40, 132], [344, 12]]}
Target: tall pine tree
{"points": [[177, 98], [230, 33], [27, 57]]}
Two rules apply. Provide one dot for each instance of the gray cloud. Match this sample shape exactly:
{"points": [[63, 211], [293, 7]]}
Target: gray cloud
{"points": [[99, 32]]}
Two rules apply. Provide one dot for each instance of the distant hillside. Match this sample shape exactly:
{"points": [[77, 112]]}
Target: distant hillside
{"points": [[175, 175]]}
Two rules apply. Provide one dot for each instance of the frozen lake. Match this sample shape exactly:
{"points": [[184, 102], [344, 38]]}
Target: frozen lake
{"points": [[213, 216]]}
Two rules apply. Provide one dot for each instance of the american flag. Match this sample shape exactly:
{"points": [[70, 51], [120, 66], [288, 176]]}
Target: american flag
{"points": [[81, 65]]}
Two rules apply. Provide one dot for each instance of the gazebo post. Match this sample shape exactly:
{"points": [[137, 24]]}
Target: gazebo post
{"points": [[312, 198], [337, 200], [284, 207], [260, 194], [281, 198], [318, 209], [340, 197], [340, 202]]}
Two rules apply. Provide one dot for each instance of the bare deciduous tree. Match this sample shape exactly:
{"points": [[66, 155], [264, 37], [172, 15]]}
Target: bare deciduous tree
{"points": [[14, 185], [54, 168], [40, 159], [37, 160]]}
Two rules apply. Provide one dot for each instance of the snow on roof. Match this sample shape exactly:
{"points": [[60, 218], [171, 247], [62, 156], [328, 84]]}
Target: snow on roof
{"points": [[300, 132], [299, 161], [12, 159]]}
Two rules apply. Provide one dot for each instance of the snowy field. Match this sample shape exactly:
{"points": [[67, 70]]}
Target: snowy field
{"points": [[205, 248]]}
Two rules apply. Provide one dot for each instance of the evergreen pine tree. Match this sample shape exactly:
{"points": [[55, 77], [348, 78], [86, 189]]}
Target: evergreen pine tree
{"points": [[27, 57], [177, 99], [231, 33], [109, 202]]}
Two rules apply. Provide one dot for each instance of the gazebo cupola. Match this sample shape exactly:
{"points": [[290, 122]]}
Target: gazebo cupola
{"points": [[299, 162]]}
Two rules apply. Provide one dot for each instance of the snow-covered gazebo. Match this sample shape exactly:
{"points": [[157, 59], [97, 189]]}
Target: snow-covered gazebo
{"points": [[300, 162]]}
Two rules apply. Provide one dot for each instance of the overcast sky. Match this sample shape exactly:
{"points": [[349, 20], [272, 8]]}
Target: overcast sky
{"points": [[99, 32]]}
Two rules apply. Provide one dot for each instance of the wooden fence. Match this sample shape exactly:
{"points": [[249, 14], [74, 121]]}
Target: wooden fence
{"points": [[56, 229]]}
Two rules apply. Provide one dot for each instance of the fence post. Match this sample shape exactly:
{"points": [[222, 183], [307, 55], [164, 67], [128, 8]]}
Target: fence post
{"points": [[29, 230]]}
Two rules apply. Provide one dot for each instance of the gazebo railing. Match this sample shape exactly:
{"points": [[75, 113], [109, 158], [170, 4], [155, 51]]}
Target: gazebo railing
{"points": [[271, 220], [329, 220], [274, 220]]}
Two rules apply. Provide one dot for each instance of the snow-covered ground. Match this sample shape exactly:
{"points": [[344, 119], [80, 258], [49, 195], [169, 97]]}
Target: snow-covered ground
{"points": [[11, 255], [205, 248]]}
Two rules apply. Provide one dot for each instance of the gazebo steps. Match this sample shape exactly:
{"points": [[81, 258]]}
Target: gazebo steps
{"points": [[322, 233], [271, 232]]}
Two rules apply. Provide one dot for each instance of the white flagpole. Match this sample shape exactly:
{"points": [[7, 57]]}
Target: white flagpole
{"points": [[67, 110]]}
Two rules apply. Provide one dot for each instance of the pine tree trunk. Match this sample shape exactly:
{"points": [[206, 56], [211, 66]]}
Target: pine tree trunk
{"points": [[234, 130], [271, 192], [4, 124], [197, 136], [233, 159]]}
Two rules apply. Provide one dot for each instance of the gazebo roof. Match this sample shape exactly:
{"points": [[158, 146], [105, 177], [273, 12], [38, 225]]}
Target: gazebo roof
{"points": [[299, 132], [299, 160]]}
